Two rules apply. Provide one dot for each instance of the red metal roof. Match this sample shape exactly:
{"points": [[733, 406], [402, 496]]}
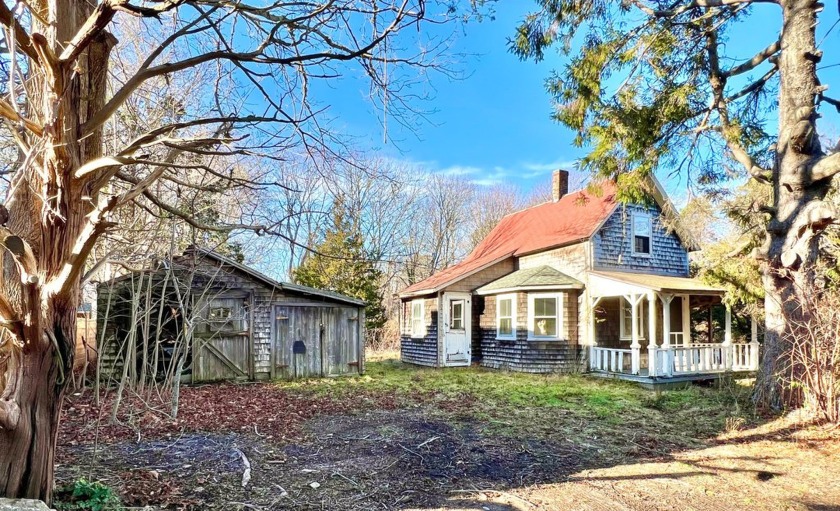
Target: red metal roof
{"points": [[573, 218]]}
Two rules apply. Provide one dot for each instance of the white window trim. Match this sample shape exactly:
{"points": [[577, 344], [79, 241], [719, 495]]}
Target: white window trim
{"points": [[649, 217], [560, 310], [640, 316], [452, 303], [416, 334], [513, 313]]}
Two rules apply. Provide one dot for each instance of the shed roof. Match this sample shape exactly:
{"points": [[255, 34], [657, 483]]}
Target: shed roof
{"points": [[541, 277], [283, 286], [572, 219], [286, 286]]}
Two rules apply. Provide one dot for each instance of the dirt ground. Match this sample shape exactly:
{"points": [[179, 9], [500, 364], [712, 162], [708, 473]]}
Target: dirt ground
{"points": [[411, 454]]}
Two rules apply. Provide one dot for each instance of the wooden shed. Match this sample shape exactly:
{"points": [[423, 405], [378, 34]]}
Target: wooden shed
{"points": [[210, 318]]}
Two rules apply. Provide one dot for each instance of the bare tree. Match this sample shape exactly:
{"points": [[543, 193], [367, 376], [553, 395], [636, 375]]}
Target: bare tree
{"points": [[66, 189]]}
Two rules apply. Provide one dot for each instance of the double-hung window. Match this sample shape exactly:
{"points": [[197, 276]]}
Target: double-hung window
{"points": [[626, 324], [418, 319], [506, 317], [545, 318], [642, 233]]}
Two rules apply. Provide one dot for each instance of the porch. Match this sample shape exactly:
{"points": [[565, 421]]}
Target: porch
{"points": [[640, 330]]}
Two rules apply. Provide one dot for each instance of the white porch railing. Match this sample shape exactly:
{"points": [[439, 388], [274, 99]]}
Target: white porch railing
{"points": [[677, 359], [610, 360], [694, 358], [745, 357]]}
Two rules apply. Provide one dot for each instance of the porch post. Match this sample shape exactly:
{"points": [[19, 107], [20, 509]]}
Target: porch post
{"points": [[753, 344], [727, 341], [686, 320], [667, 365], [591, 333], [635, 347], [652, 369]]}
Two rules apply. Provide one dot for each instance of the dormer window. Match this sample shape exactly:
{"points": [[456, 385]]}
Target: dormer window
{"points": [[642, 233]]}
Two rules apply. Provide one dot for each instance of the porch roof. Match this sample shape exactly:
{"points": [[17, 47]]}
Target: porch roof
{"points": [[530, 279], [613, 283]]}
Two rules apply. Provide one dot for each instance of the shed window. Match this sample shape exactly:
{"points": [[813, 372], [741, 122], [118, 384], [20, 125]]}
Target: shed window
{"points": [[641, 233], [626, 324], [505, 326], [418, 319], [544, 316], [220, 314], [229, 319]]}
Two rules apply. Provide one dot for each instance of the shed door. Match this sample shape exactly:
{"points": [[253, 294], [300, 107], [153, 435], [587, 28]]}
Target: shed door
{"points": [[315, 341], [222, 342], [341, 340]]}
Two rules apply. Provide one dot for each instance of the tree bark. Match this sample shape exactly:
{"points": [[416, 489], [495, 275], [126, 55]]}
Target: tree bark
{"points": [[48, 211], [792, 243], [27, 451]]}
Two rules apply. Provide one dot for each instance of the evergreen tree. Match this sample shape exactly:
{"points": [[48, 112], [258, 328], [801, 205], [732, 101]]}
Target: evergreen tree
{"points": [[340, 263], [656, 85]]}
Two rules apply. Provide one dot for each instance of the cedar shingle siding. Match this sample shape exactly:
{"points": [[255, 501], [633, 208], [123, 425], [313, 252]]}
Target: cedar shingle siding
{"points": [[419, 351], [612, 246], [531, 356]]}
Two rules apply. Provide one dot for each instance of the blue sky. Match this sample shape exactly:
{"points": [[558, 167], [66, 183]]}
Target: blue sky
{"points": [[493, 125]]}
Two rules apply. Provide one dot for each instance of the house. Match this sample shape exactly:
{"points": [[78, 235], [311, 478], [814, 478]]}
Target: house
{"points": [[225, 321], [583, 282]]}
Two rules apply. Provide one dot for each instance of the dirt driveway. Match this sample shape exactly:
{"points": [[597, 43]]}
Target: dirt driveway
{"points": [[415, 454]]}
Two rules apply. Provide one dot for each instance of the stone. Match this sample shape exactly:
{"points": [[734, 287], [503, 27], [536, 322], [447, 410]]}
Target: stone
{"points": [[22, 505]]}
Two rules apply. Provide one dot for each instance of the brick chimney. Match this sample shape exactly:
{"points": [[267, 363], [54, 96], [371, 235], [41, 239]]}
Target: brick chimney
{"points": [[559, 184]]}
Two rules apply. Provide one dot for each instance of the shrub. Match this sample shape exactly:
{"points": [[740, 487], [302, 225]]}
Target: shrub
{"points": [[813, 358], [86, 495]]}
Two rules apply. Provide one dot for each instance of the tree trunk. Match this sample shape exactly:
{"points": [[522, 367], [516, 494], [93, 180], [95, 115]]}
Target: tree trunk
{"points": [[26, 462], [47, 217], [799, 213]]}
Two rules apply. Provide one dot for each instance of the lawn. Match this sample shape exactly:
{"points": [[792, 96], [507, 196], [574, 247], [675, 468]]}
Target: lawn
{"points": [[403, 437]]}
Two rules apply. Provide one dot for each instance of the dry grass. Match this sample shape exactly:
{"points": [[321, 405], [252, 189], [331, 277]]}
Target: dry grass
{"points": [[476, 439]]}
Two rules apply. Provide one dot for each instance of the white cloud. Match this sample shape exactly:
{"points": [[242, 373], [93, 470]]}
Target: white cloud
{"points": [[541, 169], [493, 175], [459, 170]]}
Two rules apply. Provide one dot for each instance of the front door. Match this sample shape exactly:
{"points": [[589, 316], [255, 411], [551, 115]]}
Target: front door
{"points": [[457, 313]]}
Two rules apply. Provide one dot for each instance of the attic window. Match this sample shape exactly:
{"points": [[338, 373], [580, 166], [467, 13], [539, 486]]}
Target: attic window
{"points": [[641, 223]]}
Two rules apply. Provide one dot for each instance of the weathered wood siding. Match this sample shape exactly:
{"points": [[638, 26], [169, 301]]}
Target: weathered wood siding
{"points": [[573, 260], [531, 356], [421, 351], [475, 339], [312, 340], [485, 276], [612, 246]]}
